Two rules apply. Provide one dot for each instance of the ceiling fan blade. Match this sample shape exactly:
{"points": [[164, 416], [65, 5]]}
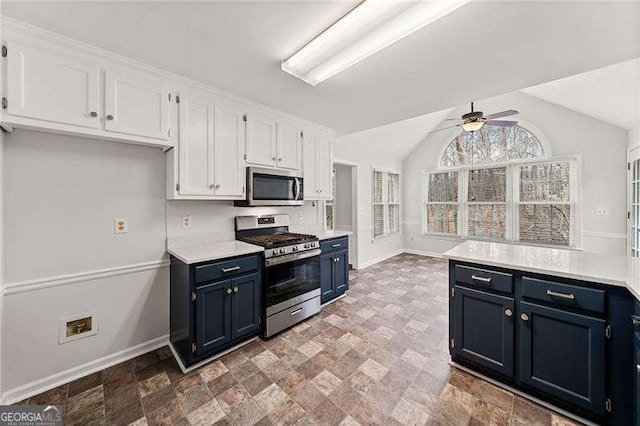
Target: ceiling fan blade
{"points": [[501, 114], [444, 128], [503, 123]]}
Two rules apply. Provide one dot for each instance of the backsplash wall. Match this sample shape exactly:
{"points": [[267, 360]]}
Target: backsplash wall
{"points": [[217, 217]]}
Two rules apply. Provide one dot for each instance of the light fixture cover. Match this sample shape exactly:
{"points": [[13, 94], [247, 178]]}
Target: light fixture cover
{"points": [[368, 28], [472, 126]]}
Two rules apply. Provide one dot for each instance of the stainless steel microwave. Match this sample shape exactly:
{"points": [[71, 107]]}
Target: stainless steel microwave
{"points": [[271, 187]]}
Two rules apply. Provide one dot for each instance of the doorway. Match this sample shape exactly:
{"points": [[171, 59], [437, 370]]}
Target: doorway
{"points": [[344, 206]]}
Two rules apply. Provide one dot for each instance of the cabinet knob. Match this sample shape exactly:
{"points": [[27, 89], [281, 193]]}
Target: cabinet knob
{"points": [[211, 186], [508, 312], [524, 317], [235, 289], [273, 158], [635, 319], [109, 117], [93, 114], [280, 159], [217, 186], [229, 291]]}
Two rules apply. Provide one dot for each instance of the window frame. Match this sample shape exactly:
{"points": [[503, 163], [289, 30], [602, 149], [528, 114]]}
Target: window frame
{"points": [[513, 202], [385, 203]]}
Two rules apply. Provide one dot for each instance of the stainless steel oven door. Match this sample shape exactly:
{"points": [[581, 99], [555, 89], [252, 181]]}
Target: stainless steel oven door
{"points": [[289, 283], [269, 187]]}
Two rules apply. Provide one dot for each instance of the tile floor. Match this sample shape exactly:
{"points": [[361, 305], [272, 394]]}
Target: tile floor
{"points": [[377, 356]]}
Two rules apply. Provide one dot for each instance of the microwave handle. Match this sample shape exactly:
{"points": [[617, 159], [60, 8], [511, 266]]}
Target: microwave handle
{"points": [[296, 188]]}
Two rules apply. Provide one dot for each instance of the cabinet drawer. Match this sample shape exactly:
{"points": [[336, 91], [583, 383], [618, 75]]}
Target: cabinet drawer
{"points": [[590, 299], [225, 268], [334, 244], [483, 278]]}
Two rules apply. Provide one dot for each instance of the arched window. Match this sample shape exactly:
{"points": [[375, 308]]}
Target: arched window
{"points": [[492, 144]]}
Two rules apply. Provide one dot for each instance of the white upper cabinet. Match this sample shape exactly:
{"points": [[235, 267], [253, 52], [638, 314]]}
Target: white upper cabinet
{"points": [[289, 146], [52, 87], [136, 105], [196, 146], [318, 165], [261, 140], [230, 136]]}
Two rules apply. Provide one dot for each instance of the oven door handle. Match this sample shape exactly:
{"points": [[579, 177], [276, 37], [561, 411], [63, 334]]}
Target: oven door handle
{"points": [[290, 257], [296, 188]]}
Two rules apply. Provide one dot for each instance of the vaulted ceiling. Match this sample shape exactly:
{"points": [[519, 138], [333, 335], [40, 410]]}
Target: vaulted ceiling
{"points": [[483, 49]]}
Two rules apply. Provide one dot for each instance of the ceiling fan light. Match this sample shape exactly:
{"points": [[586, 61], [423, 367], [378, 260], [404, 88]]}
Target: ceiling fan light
{"points": [[472, 126]]}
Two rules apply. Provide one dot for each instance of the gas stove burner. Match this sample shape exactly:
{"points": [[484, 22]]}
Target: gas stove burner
{"points": [[278, 240]]}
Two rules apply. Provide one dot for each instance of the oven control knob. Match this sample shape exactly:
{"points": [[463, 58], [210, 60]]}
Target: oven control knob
{"points": [[275, 252], [295, 248], [282, 251]]}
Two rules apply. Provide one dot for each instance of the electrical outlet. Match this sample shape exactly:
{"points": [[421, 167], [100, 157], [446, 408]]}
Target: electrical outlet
{"points": [[186, 221], [602, 211], [300, 216], [120, 225]]}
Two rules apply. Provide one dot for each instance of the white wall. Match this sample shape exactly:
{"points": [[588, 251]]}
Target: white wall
{"points": [[357, 148], [601, 145], [634, 136], [343, 198]]}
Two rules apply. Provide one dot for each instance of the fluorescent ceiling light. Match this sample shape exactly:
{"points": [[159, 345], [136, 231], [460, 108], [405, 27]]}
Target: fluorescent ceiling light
{"points": [[368, 28]]}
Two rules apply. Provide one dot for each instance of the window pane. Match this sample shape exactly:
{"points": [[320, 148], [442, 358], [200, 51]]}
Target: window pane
{"points": [[443, 186], [378, 220], [329, 215], [394, 218], [393, 184], [487, 220], [492, 144], [545, 182], [442, 218], [486, 185], [545, 223], [377, 187]]}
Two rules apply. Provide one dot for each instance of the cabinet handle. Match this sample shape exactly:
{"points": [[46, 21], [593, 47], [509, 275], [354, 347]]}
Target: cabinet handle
{"points": [[235, 289], [109, 117], [508, 312], [638, 368], [483, 279], [524, 317], [336, 245], [234, 268], [93, 114], [229, 291], [297, 311], [569, 296], [635, 319]]}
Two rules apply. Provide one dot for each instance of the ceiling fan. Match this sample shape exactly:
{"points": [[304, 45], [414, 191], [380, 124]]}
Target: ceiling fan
{"points": [[474, 120]]}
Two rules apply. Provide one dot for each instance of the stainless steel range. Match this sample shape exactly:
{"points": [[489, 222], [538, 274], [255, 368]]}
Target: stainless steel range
{"points": [[291, 273]]}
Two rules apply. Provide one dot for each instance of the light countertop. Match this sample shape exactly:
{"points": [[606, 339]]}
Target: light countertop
{"points": [[609, 269], [328, 234], [204, 250]]}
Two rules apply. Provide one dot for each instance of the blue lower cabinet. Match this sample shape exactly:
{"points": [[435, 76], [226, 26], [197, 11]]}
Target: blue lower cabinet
{"points": [[636, 372], [245, 305], [563, 354], [213, 316], [483, 329], [334, 268]]}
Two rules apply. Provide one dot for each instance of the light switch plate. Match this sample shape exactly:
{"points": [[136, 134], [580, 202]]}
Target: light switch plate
{"points": [[186, 221], [120, 225]]}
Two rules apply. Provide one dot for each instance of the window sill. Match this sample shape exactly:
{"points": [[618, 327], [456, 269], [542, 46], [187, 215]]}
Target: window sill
{"points": [[386, 237]]}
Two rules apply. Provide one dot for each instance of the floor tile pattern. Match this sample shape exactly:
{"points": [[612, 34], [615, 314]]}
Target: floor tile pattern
{"points": [[376, 357]]}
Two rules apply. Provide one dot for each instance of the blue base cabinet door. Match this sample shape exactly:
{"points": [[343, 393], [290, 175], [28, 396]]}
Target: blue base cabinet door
{"points": [[637, 378], [213, 325], [245, 305], [483, 329], [326, 277], [563, 355], [341, 271]]}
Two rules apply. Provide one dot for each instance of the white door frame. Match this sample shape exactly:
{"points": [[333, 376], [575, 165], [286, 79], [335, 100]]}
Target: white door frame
{"points": [[355, 170], [633, 153]]}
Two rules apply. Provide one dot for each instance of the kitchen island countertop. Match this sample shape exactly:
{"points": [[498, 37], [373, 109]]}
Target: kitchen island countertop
{"points": [[609, 269]]}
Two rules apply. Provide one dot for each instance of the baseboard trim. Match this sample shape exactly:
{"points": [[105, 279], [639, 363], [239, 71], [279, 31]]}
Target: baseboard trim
{"points": [[379, 259], [41, 283], [42, 385], [423, 253], [522, 394], [186, 370]]}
